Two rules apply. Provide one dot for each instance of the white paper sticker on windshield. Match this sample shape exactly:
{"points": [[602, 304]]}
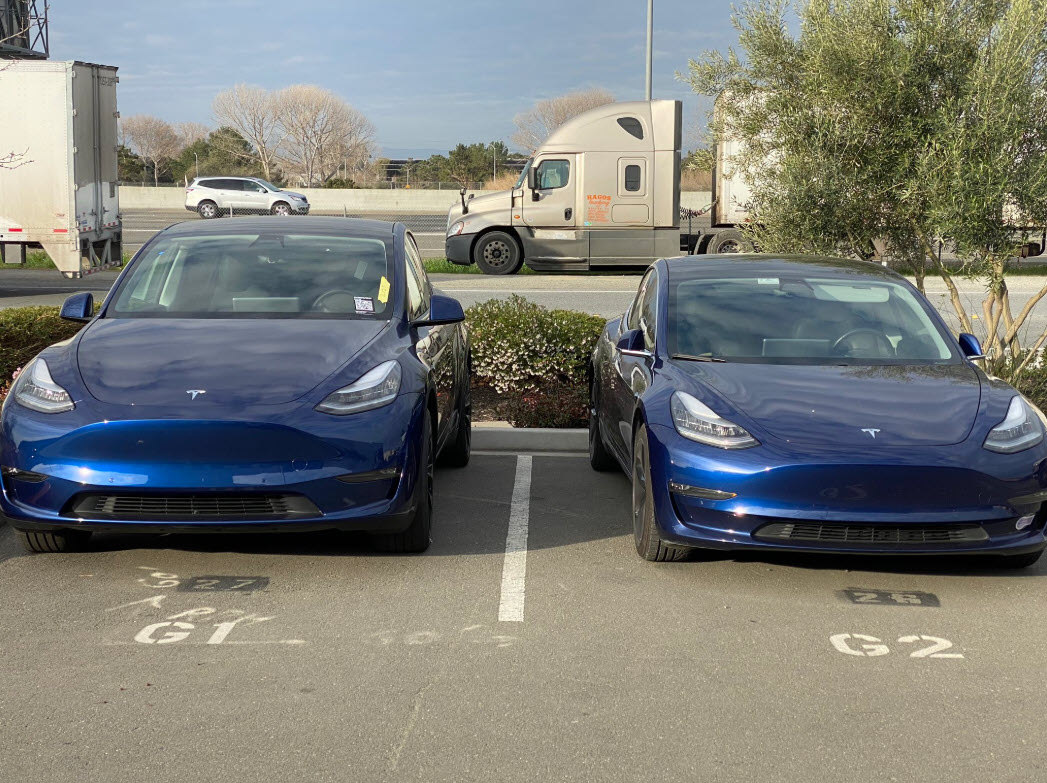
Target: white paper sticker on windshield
{"points": [[364, 304], [767, 280], [361, 270]]}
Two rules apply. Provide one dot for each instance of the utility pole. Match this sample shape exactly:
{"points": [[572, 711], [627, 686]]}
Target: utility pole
{"points": [[650, 42]]}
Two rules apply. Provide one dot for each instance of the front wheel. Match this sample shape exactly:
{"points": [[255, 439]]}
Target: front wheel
{"points": [[1019, 561], [649, 544], [418, 535], [208, 210], [281, 208], [54, 540], [498, 253]]}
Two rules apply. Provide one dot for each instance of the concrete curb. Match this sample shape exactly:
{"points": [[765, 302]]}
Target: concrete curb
{"points": [[495, 436]]}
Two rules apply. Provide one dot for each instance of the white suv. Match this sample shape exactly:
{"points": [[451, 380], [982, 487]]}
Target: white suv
{"points": [[214, 196]]}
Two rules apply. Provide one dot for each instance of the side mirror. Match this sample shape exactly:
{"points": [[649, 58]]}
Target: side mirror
{"points": [[970, 346], [442, 310], [631, 343], [79, 308], [532, 183]]}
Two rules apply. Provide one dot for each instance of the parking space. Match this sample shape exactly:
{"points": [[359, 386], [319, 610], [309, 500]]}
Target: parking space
{"points": [[311, 657]]}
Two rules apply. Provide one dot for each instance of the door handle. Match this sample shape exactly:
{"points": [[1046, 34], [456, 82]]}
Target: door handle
{"points": [[567, 213]]}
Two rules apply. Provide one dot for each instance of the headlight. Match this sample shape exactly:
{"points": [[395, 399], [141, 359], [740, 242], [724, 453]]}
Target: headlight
{"points": [[35, 389], [374, 389], [456, 229], [1018, 431], [697, 422]]}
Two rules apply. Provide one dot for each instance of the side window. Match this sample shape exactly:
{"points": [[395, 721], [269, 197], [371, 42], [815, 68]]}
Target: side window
{"points": [[632, 178], [418, 288], [253, 187], [233, 184], [210, 183], [553, 174], [632, 126], [649, 311], [632, 320]]}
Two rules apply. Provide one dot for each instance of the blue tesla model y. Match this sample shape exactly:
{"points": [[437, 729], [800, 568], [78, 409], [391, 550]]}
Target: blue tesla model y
{"points": [[810, 404], [256, 374]]}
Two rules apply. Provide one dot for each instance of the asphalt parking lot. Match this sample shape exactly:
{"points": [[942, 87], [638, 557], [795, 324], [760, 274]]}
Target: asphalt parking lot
{"points": [[530, 643]]}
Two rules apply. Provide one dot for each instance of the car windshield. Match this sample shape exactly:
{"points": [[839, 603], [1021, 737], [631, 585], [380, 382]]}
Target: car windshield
{"points": [[803, 320], [523, 175], [258, 276]]}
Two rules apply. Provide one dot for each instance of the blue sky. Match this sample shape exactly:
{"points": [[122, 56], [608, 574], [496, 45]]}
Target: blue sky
{"points": [[427, 74]]}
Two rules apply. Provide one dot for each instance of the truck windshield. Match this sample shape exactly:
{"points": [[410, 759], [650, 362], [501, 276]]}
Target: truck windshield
{"points": [[258, 276], [523, 175]]}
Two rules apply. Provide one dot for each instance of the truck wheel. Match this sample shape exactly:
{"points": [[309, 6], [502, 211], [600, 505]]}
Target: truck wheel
{"points": [[498, 254], [730, 242], [208, 210]]}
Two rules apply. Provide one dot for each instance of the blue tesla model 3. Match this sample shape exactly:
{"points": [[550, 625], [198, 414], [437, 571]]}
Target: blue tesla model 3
{"points": [[810, 404], [256, 374]]}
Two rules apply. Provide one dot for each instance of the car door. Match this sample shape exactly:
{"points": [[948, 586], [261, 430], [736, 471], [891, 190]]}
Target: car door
{"points": [[550, 210], [254, 198], [435, 346], [628, 377]]}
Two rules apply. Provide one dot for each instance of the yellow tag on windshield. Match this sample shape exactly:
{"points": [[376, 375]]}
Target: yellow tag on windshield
{"points": [[383, 291]]}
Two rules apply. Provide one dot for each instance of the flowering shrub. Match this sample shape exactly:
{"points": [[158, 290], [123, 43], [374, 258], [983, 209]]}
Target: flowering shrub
{"points": [[521, 347]]}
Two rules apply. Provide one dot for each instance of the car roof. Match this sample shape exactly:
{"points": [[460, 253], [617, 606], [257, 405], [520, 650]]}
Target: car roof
{"points": [[769, 264], [356, 227]]}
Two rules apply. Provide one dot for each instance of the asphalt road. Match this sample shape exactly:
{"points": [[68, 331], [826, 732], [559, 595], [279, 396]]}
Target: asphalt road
{"points": [[123, 664]]}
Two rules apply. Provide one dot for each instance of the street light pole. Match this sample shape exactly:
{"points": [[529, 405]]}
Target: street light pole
{"points": [[197, 164], [650, 47]]}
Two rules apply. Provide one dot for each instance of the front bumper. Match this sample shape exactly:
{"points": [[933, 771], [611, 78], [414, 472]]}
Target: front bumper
{"points": [[843, 506], [316, 472], [300, 207], [458, 249]]}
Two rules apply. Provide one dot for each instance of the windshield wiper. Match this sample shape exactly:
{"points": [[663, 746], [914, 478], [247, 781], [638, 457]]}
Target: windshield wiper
{"points": [[705, 357]]}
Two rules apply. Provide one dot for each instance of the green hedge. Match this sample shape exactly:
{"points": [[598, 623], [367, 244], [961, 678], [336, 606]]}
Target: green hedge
{"points": [[24, 332]]}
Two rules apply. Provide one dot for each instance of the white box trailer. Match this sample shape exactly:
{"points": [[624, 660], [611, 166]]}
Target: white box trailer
{"points": [[61, 189]]}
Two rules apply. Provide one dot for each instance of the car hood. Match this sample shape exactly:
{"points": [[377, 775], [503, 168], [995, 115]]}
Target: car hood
{"points": [[292, 193], [919, 405], [157, 361]]}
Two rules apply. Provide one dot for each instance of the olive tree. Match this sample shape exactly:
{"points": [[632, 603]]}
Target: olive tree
{"points": [[892, 124]]}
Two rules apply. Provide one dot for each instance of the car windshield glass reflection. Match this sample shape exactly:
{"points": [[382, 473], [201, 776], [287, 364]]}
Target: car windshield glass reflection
{"points": [[258, 276], [795, 320]]}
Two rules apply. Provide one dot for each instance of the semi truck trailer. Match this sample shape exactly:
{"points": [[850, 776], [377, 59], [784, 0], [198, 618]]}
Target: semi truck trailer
{"points": [[58, 175]]}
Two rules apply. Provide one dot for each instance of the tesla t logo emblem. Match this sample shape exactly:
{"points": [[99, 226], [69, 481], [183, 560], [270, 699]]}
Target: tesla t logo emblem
{"points": [[195, 392], [871, 432]]}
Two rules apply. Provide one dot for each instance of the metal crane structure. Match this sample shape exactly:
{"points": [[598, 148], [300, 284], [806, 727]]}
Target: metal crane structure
{"points": [[23, 30]]}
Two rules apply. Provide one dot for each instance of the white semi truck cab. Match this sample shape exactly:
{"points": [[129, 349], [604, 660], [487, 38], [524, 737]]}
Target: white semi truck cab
{"points": [[602, 191]]}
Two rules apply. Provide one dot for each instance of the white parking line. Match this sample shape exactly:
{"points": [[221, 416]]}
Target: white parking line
{"points": [[514, 570]]}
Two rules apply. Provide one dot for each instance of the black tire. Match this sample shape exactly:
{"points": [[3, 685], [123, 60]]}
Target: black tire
{"points": [[456, 453], [1019, 561], [649, 544], [418, 535], [600, 458], [281, 208], [54, 540], [208, 210], [730, 241], [497, 253]]}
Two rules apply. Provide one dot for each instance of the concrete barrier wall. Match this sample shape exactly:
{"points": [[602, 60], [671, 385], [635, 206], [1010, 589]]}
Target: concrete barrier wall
{"points": [[399, 201]]}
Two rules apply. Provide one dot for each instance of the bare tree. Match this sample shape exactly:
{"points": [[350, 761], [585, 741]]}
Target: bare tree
{"points": [[323, 133], [534, 126], [190, 132], [153, 140], [254, 113]]}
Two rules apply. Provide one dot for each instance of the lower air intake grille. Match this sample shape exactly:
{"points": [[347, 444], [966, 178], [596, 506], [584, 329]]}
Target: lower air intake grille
{"points": [[870, 535], [193, 507]]}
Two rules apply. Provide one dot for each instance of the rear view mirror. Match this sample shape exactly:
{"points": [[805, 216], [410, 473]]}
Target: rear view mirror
{"points": [[631, 343], [442, 310], [970, 346], [79, 308], [532, 182]]}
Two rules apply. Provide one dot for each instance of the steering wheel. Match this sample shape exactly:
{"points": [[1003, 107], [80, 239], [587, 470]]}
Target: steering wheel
{"points": [[332, 302], [845, 346]]}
